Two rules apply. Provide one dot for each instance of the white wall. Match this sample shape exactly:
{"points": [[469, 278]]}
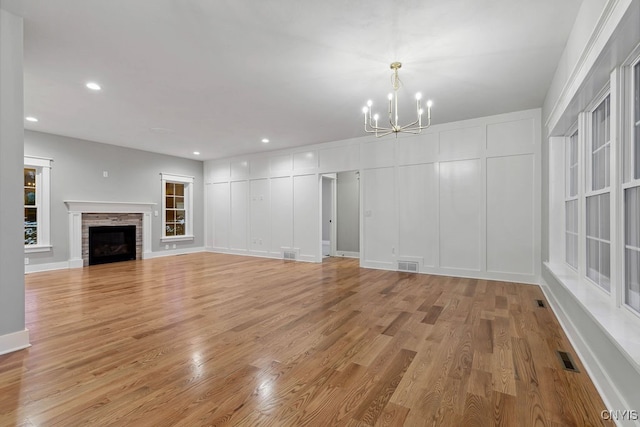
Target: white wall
{"points": [[459, 199]]}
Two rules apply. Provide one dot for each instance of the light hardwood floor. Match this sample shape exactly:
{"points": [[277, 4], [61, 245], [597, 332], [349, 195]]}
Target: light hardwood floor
{"points": [[211, 339]]}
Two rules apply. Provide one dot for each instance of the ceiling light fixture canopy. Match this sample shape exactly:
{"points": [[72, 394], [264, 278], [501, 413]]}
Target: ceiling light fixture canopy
{"points": [[371, 122]]}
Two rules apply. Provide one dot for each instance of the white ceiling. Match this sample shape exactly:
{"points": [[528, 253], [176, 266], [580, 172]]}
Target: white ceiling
{"points": [[218, 76]]}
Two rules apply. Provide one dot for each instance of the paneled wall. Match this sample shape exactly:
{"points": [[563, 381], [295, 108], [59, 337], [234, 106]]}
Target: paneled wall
{"points": [[461, 199]]}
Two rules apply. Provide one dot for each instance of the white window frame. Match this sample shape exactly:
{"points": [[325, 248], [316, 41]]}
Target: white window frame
{"points": [[43, 202], [188, 206], [629, 180], [590, 192], [568, 197]]}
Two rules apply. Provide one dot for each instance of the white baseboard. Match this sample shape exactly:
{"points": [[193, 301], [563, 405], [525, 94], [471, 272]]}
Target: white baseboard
{"points": [[172, 252], [37, 268], [14, 341], [347, 254]]}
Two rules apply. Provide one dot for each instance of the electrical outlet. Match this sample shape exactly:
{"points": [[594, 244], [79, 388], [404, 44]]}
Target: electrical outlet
{"points": [[155, 213], [26, 261], [166, 246], [174, 246], [105, 174]]}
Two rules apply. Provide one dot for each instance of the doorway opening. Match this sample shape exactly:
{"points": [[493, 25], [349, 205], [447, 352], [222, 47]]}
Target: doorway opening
{"points": [[340, 213]]}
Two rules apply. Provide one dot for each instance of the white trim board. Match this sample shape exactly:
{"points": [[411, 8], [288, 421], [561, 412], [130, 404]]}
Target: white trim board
{"points": [[14, 341]]}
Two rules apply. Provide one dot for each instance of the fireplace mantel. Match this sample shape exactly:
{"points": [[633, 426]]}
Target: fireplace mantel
{"points": [[78, 207]]}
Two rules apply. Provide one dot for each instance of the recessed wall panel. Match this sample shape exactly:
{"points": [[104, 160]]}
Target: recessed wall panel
{"points": [[239, 170], [217, 171], [306, 216], [510, 214], [420, 149], [281, 214], [460, 210], [379, 216], [462, 143], [417, 204], [507, 137], [280, 164], [378, 153], [259, 167], [307, 160], [239, 212], [260, 212], [339, 159], [219, 212]]}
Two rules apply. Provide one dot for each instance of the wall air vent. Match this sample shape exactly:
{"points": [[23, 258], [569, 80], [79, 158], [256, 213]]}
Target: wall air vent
{"points": [[290, 255], [408, 266]]}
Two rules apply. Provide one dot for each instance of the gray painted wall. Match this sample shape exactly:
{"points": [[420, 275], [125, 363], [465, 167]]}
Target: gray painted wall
{"points": [[134, 176], [348, 207], [12, 317]]}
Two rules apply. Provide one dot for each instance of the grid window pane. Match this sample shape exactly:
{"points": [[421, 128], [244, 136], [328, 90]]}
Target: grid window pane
{"points": [[571, 234], [632, 212], [632, 278], [30, 207], [179, 229], [598, 245], [592, 217], [632, 247], [600, 146], [572, 166], [593, 258], [636, 108], [175, 213], [179, 202], [30, 226]]}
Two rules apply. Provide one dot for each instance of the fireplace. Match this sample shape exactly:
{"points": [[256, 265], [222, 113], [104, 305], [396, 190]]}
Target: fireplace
{"points": [[112, 244], [86, 214]]}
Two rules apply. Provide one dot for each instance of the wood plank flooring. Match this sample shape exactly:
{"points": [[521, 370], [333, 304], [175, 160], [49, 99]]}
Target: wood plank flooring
{"points": [[211, 339]]}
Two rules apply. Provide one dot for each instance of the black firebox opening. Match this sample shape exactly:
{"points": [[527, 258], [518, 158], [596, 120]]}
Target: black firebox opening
{"points": [[112, 244]]}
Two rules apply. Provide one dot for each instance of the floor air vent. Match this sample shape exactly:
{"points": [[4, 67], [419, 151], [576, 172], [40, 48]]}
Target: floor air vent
{"points": [[567, 361], [408, 266], [289, 255], [540, 303]]}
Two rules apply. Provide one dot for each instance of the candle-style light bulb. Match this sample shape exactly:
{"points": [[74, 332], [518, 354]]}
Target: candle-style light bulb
{"points": [[418, 96], [429, 103], [369, 103], [390, 96]]}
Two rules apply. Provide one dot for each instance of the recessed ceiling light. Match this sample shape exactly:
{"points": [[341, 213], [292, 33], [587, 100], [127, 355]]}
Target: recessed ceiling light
{"points": [[265, 140], [197, 153], [93, 86], [31, 119]]}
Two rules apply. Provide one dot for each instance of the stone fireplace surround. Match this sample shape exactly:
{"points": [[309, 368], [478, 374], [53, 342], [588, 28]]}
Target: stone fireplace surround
{"points": [[116, 212]]}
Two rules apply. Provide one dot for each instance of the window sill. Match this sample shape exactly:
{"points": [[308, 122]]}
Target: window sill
{"points": [[31, 249], [177, 239], [617, 322]]}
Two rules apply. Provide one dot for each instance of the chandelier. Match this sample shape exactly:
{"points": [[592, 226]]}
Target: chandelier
{"points": [[371, 122]]}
